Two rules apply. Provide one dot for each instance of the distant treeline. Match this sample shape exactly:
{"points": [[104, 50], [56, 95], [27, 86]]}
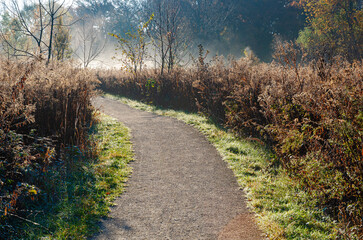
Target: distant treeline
{"points": [[54, 30], [224, 26]]}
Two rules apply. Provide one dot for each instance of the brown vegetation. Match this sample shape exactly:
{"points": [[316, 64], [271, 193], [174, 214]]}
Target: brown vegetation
{"points": [[45, 112], [310, 112]]}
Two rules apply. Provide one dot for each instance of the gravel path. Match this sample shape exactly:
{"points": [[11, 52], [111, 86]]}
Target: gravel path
{"points": [[180, 187]]}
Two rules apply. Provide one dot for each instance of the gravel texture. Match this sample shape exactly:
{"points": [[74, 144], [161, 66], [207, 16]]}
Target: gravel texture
{"points": [[180, 187]]}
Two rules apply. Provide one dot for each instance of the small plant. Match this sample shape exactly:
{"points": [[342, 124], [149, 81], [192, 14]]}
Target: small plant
{"points": [[133, 47]]}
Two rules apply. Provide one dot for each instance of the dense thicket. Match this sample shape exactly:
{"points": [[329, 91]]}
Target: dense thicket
{"points": [[45, 114], [311, 113]]}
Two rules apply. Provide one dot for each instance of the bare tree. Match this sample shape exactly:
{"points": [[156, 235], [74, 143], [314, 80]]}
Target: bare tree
{"points": [[90, 41], [7, 35], [168, 32], [32, 28], [36, 21]]}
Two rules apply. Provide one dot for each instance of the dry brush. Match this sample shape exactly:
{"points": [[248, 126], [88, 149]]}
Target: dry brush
{"points": [[45, 112], [311, 113]]}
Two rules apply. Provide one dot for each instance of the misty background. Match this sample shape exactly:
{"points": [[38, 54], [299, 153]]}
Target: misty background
{"points": [[223, 27]]}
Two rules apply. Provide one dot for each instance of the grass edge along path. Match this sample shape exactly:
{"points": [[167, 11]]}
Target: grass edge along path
{"points": [[93, 185], [282, 208]]}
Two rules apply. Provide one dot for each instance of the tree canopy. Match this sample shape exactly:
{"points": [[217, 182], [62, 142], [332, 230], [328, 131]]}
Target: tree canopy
{"points": [[334, 26]]}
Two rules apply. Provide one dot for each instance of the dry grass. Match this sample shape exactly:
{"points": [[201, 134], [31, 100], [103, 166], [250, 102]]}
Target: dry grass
{"points": [[45, 115], [171, 89], [311, 113]]}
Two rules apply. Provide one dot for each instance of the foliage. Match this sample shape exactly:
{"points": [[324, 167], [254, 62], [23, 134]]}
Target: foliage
{"points": [[334, 27], [133, 48], [62, 41]]}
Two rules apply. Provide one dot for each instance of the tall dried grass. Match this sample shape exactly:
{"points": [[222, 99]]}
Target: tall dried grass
{"points": [[169, 90], [310, 112], [43, 111]]}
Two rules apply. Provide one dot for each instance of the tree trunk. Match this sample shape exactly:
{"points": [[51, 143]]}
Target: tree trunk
{"points": [[50, 39]]}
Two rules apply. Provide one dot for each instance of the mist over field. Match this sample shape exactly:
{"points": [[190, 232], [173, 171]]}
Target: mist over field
{"points": [[222, 27]]}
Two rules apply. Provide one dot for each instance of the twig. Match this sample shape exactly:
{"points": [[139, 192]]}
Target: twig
{"points": [[27, 220]]}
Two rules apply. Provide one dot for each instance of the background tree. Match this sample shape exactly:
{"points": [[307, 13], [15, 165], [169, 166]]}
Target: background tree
{"points": [[90, 41], [117, 16], [168, 32], [28, 22], [37, 22], [256, 23], [334, 27], [95, 10], [222, 26], [62, 41], [126, 16], [208, 18], [8, 37]]}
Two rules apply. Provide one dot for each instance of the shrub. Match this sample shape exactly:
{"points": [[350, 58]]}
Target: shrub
{"points": [[43, 111]]}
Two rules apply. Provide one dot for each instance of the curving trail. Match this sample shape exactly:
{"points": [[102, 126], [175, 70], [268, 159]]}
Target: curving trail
{"points": [[180, 187]]}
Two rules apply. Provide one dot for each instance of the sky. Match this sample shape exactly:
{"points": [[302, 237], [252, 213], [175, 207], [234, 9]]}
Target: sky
{"points": [[67, 2], [21, 2]]}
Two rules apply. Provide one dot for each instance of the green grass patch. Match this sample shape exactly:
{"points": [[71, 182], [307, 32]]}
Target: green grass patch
{"points": [[283, 209], [88, 189]]}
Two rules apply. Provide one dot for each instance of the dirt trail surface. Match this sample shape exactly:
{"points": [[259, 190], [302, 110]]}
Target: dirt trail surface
{"points": [[180, 187]]}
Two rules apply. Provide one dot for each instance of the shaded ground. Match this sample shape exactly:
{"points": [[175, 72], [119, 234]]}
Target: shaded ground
{"points": [[180, 187]]}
